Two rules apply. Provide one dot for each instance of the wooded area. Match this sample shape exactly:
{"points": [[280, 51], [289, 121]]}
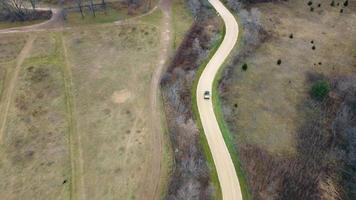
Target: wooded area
{"points": [[21, 10]]}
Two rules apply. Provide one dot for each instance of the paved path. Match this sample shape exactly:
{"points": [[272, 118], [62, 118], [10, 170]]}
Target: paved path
{"points": [[224, 166]]}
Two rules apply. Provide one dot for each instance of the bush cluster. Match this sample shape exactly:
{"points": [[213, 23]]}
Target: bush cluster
{"points": [[320, 90]]}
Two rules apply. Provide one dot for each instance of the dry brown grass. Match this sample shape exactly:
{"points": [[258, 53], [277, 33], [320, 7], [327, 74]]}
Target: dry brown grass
{"points": [[34, 147], [110, 68], [10, 46], [266, 105], [112, 108]]}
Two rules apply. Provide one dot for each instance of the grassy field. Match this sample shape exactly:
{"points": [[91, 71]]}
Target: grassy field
{"points": [[110, 90], [267, 94], [78, 123], [10, 47], [263, 105], [34, 145]]}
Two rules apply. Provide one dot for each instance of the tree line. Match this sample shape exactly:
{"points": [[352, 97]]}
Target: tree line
{"points": [[22, 9], [18, 9]]}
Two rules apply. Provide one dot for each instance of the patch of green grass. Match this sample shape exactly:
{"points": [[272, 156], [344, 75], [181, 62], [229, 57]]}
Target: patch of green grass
{"points": [[2, 79], [153, 18], [111, 15], [181, 20], [320, 90], [228, 138], [4, 25], [203, 141]]}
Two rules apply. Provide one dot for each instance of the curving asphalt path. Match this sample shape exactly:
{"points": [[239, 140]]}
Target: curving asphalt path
{"points": [[224, 166]]}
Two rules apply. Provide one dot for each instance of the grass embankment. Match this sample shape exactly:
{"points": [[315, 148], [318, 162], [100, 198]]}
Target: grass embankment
{"points": [[167, 160], [229, 140], [204, 143], [4, 25]]}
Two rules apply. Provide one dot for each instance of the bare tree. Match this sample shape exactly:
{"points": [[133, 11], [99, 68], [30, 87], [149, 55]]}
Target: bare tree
{"points": [[92, 7], [15, 8], [194, 6], [103, 5], [33, 4], [234, 5], [79, 4]]}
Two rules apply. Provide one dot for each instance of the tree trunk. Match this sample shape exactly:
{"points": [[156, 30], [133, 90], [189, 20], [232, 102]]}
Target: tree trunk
{"points": [[103, 4], [92, 7], [33, 4], [81, 11]]}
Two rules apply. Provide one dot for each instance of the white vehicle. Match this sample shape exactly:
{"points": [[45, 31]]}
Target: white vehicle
{"points": [[207, 95]]}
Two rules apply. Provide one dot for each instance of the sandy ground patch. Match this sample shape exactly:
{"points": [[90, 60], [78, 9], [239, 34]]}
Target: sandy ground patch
{"points": [[121, 96]]}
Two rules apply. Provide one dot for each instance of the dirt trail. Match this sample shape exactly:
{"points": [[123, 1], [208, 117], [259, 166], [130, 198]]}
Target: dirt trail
{"points": [[152, 180], [8, 94], [77, 190]]}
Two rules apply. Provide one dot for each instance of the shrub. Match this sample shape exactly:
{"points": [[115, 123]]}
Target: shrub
{"points": [[311, 9], [313, 47], [320, 90], [291, 36], [332, 3], [279, 62], [310, 3], [353, 108], [244, 67], [346, 3]]}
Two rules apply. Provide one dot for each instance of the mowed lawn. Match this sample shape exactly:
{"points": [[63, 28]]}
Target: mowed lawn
{"points": [[78, 122]]}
